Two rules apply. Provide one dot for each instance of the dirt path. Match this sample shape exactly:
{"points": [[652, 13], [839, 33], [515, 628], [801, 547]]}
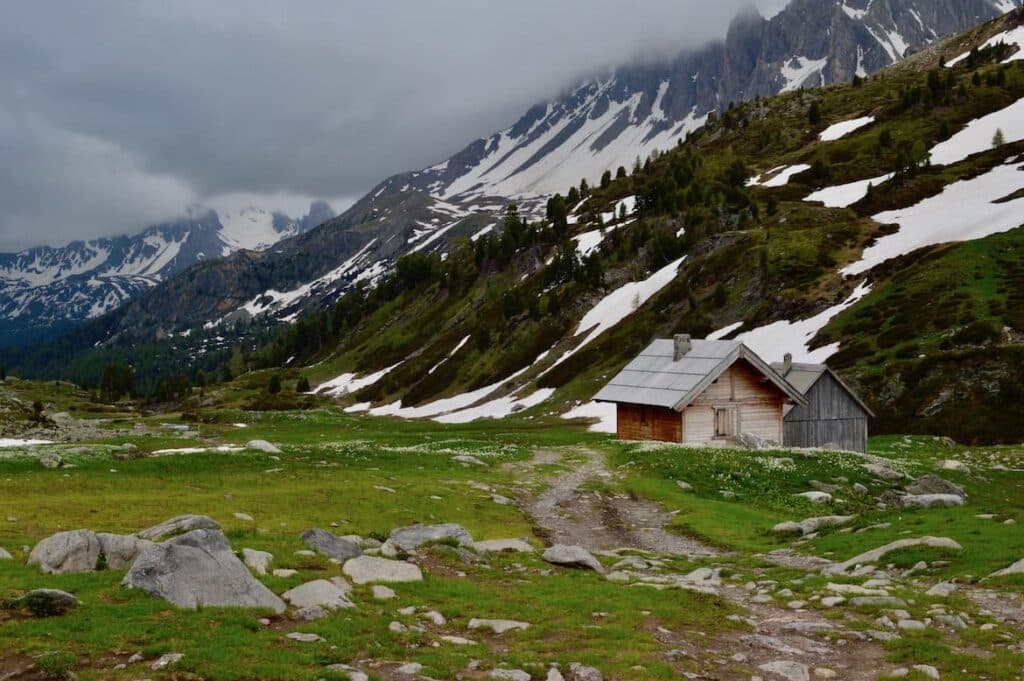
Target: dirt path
{"points": [[566, 512]]}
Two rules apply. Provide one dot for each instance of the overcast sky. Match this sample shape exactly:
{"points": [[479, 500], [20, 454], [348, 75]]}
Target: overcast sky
{"points": [[116, 115]]}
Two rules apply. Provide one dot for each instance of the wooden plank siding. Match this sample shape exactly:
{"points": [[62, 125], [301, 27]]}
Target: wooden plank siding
{"points": [[832, 419], [638, 422], [756, 404]]}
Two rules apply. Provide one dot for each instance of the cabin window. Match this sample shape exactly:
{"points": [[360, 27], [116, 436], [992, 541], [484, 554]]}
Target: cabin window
{"points": [[724, 422]]}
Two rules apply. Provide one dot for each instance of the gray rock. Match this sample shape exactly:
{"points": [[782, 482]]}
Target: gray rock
{"points": [[50, 601], [874, 555], [951, 621], [179, 525], [928, 670], [1015, 569], [50, 460], [878, 601], [353, 673], [953, 465], [199, 568], [931, 500], [303, 637], [410, 669], [467, 460], [859, 488], [810, 525], [685, 486], [498, 626], [383, 593], [942, 589], [572, 556], [509, 675], [414, 536], [910, 625], [310, 614], [816, 497], [787, 527], [4, 555], [884, 471], [501, 545], [257, 561], [261, 446], [751, 441], [166, 660], [933, 484], [244, 517], [318, 593], [121, 550], [73, 551], [367, 569], [786, 670], [330, 545], [583, 673]]}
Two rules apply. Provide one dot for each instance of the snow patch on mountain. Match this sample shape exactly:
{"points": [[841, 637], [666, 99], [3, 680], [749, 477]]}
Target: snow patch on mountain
{"points": [[1014, 36], [797, 71], [842, 129], [978, 134]]}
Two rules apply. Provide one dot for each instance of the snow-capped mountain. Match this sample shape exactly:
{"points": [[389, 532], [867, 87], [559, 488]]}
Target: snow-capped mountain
{"points": [[48, 288], [633, 111], [601, 124]]}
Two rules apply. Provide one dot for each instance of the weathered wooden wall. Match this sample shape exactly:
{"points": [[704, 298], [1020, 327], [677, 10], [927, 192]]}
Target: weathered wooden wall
{"points": [[832, 419], [636, 422], [757, 402]]}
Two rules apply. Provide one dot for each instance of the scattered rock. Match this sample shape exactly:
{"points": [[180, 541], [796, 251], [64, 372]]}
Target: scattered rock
{"points": [[501, 500], [583, 673], [467, 460], [572, 556], [787, 670], [685, 486], [410, 669], [786, 528], [318, 593], [931, 500], [353, 673], [310, 614], [1015, 569], [498, 626], [928, 670], [199, 568], [509, 674], [304, 637], [500, 545], [435, 617], [810, 525], [457, 640], [366, 569], [47, 602], [910, 625], [261, 446], [285, 572], [257, 561], [883, 471], [728, 495], [953, 465], [179, 525], [414, 536], [50, 460], [244, 517], [816, 497], [933, 484], [951, 621], [860, 489], [878, 601], [4, 555], [330, 545], [942, 589], [166, 660], [874, 555], [383, 593]]}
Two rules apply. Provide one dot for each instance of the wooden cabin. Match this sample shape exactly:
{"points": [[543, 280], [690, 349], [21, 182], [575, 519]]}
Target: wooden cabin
{"points": [[699, 392], [834, 416]]}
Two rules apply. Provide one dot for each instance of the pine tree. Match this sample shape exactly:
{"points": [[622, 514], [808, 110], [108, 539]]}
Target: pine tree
{"points": [[814, 113], [606, 179], [274, 386], [303, 385], [998, 139], [3, 374]]}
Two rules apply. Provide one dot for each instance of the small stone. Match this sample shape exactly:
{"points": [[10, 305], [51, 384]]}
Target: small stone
{"points": [[928, 670], [285, 572], [409, 669], [383, 593], [397, 627], [825, 673], [509, 675], [503, 545], [583, 673], [458, 640], [787, 670], [366, 569], [257, 561], [245, 517], [166, 660], [572, 556], [498, 626], [304, 637], [911, 625], [435, 617], [685, 486], [261, 446], [942, 589]]}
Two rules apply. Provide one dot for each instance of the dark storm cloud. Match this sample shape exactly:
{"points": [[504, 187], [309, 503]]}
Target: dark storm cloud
{"points": [[118, 114]]}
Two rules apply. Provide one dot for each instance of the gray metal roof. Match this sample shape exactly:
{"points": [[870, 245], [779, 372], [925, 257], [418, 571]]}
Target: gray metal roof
{"points": [[654, 378], [803, 376]]}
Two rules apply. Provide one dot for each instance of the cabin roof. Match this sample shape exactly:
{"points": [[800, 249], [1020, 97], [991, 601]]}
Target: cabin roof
{"points": [[803, 376], [654, 378]]}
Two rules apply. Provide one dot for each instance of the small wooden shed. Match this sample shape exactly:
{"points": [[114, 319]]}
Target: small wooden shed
{"points": [[699, 392], [834, 416]]}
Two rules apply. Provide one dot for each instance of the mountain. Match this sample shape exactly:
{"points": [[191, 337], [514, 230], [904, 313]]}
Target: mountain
{"points": [[876, 224], [601, 124], [46, 289]]}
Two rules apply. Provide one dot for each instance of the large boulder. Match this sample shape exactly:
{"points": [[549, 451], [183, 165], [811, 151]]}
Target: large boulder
{"points": [[47, 602], [414, 536], [199, 569], [366, 569], [810, 525], [931, 500], [73, 551], [121, 550], [261, 446], [318, 593], [874, 555], [933, 484], [1015, 569], [179, 525], [330, 545], [572, 556]]}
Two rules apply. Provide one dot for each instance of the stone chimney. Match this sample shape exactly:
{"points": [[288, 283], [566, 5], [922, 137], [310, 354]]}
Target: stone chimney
{"points": [[787, 363], [682, 346]]}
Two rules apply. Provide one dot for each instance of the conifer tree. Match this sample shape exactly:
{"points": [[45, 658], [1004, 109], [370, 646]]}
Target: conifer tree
{"points": [[998, 139], [274, 386]]}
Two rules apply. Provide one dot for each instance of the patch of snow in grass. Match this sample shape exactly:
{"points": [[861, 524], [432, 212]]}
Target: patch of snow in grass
{"points": [[844, 195], [725, 331], [498, 408], [619, 304], [844, 128], [629, 203], [350, 383], [8, 442], [781, 178], [196, 450], [774, 340], [604, 412], [450, 354], [963, 211], [977, 135], [1014, 36]]}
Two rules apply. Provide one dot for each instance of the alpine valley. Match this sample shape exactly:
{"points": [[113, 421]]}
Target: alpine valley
{"points": [[842, 178]]}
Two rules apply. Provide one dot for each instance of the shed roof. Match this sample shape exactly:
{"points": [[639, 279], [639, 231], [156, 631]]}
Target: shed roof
{"points": [[803, 376], [654, 377]]}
